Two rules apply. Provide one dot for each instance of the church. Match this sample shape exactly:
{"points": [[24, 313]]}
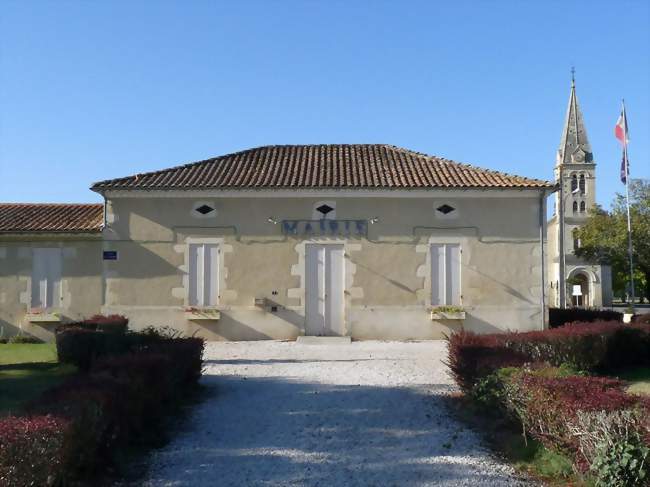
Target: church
{"points": [[369, 241], [585, 285]]}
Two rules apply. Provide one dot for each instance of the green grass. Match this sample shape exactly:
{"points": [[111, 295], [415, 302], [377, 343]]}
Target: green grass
{"points": [[639, 378], [26, 371], [528, 457], [20, 353]]}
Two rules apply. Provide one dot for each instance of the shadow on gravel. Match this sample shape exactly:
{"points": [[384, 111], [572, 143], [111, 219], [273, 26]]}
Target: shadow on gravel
{"points": [[283, 361], [278, 431]]}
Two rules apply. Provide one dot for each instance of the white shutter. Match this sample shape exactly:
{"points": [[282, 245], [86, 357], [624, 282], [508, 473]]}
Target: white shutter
{"points": [[211, 275], [453, 275], [203, 275], [46, 278], [194, 282], [437, 275], [39, 279], [445, 274]]}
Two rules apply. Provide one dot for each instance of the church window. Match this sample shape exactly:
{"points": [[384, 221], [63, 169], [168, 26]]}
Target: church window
{"points": [[574, 183], [575, 207], [582, 184], [576, 240], [583, 207]]}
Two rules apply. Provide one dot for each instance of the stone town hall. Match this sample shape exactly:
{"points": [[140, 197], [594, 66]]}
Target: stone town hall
{"points": [[370, 241], [575, 173]]}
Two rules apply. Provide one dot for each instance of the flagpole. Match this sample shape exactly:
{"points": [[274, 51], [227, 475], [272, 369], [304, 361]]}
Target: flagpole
{"points": [[627, 200]]}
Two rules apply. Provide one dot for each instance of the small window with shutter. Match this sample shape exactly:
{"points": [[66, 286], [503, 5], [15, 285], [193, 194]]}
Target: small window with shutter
{"points": [[203, 274], [46, 278], [445, 275]]}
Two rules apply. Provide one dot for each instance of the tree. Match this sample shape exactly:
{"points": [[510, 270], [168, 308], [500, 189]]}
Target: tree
{"points": [[603, 239]]}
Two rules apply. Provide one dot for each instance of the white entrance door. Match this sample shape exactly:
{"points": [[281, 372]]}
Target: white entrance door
{"points": [[324, 289], [46, 278]]}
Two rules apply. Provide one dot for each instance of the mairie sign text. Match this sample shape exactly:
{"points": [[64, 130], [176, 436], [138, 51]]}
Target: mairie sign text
{"points": [[325, 227]]}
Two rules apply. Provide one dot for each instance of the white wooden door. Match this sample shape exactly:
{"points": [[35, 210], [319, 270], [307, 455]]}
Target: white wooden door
{"points": [[324, 289], [46, 278]]}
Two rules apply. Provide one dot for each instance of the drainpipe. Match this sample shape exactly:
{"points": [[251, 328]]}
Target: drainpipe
{"points": [[105, 204], [542, 228]]}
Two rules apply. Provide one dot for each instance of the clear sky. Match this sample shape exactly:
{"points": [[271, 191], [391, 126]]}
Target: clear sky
{"points": [[95, 90]]}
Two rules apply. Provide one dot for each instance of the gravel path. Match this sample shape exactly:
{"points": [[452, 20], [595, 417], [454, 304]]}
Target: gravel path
{"points": [[364, 414]]}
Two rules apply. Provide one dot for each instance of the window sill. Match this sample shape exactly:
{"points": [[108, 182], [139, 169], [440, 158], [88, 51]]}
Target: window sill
{"points": [[437, 315], [202, 314], [43, 317]]}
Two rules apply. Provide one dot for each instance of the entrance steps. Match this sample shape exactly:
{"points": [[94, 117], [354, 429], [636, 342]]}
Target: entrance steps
{"points": [[314, 340]]}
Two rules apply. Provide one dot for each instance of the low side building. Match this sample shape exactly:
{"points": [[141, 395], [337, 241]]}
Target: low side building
{"points": [[50, 266]]}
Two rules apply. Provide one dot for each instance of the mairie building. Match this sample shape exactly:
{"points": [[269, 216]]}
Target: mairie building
{"points": [[369, 241]]}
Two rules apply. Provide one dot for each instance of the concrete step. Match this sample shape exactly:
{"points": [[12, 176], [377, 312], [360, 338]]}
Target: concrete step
{"points": [[313, 340]]}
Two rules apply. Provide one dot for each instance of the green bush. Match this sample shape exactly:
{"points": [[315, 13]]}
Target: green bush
{"points": [[24, 339], [613, 446], [622, 464], [558, 317], [82, 346]]}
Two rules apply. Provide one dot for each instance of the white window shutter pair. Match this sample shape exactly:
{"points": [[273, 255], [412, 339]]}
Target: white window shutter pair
{"points": [[203, 274], [46, 277], [445, 275]]}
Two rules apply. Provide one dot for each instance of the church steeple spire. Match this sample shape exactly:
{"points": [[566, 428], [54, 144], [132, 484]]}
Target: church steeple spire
{"points": [[574, 145]]}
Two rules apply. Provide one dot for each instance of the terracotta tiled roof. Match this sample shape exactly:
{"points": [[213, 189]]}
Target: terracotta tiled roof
{"points": [[361, 166], [50, 217]]}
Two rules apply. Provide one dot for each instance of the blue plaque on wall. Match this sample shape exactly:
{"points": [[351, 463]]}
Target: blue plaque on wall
{"points": [[109, 254]]}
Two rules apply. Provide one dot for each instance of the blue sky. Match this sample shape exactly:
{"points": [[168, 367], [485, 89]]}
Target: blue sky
{"points": [[95, 90]]}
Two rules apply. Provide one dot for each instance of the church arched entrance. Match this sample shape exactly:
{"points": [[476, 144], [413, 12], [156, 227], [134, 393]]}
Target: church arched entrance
{"points": [[580, 295]]}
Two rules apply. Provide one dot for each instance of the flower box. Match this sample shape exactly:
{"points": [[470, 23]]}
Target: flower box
{"points": [[447, 315], [202, 314], [43, 317]]}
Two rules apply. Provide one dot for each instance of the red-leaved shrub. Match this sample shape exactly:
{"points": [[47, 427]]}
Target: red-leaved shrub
{"points": [[642, 319], [31, 450], [584, 346], [129, 382], [472, 356], [547, 407]]}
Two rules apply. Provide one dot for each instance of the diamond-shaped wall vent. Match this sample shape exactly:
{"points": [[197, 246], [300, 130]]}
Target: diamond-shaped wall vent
{"points": [[204, 209], [324, 209], [445, 209]]}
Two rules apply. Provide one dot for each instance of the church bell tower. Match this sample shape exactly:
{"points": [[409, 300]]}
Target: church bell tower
{"points": [[574, 283]]}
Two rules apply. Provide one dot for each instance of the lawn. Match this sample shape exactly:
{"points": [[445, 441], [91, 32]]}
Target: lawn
{"points": [[27, 370], [639, 379]]}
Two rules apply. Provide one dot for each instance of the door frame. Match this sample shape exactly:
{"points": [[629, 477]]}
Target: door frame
{"points": [[347, 271]]}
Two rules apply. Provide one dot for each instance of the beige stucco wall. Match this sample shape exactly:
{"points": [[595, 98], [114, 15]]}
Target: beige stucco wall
{"points": [[81, 284], [387, 283]]}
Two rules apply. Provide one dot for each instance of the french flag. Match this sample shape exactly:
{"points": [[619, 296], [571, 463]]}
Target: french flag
{"points": [[620, 131]]}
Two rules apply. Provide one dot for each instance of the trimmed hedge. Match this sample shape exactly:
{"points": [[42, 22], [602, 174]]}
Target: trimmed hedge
{"points": [[561, 316], [590, 347], [23, 339], [642, 319], [29, 449], [539, 379], [119, 401], [576, 415]]}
